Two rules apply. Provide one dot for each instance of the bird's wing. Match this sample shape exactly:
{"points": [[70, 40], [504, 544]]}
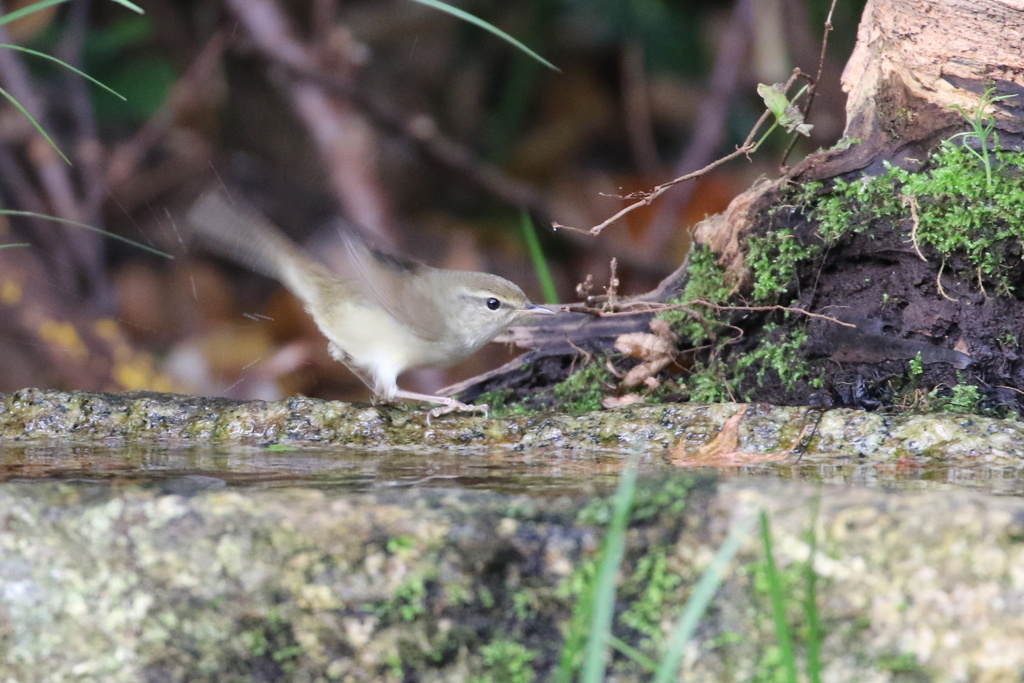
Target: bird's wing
{"points": [[400, 286]]}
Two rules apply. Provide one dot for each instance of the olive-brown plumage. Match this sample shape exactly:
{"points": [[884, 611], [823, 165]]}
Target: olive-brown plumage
{"points": [[382, 314]]}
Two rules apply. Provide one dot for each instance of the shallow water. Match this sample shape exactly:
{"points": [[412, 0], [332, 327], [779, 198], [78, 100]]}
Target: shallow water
{"points": [[544, 472], [181, 470]]}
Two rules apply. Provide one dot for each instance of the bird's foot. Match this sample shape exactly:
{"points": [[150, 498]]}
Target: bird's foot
{"points": [[448, 404]]}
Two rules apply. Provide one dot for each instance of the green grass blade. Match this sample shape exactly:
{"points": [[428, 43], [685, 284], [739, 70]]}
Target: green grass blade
{"points": [[30, 9], [811, 609], [15, 244], [33, 214], [466, 16], [575, 639], [540, 264], [595, 658], [65, 65], [130, 5], [699, 600], [633, 653], [43, 4], [778, 602], [17, 105]]}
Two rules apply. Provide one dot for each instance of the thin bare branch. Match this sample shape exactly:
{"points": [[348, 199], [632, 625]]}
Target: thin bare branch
{"points": [[786, 309], [657, 192], [817, 79], [637, 307], [748, 146]]}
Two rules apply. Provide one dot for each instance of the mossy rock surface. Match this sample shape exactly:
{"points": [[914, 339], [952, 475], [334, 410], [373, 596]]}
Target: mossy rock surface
{"points": [[670, 432], [128, 584]]}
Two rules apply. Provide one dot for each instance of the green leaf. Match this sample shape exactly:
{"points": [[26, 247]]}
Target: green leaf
{"points": [[64, 64], [782, 633], [774, 99], [786, 114], [466, 16], [43, 216]]}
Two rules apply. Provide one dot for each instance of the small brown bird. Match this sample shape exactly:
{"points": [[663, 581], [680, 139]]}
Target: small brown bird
{"points": [[382, 314]]}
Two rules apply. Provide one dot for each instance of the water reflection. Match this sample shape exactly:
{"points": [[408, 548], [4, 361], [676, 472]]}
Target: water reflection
{"points": [[188, 470]]}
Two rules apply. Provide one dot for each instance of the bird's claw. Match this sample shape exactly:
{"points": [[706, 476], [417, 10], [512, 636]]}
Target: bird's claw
{"points": [[453, 406]]}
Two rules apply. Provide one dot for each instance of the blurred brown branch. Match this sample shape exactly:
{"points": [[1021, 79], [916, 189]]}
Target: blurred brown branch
{"points": [[343, 138], [275, 41]]}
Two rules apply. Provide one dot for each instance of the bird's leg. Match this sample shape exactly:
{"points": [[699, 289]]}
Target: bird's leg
{"points": [[448, 404]]}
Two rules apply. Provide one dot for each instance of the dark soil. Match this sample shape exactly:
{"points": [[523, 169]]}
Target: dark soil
{"points": [[878, 281]]}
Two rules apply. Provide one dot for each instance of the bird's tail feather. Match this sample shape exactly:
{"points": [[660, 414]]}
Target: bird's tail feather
{"points": [[240, 234]]}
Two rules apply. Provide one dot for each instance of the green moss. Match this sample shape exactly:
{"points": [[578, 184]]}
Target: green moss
{"points": [[901, 663], [583, 391], [400, 545], [506, 661], [648, 502], [578, 582], [271, 638], [706, 281], [654, 584], [409, 600], [844, 143], [773, 261], [781, 357], [486, 597], [523, 605], [709, 382], [958, 214], [916, 368], [963, 398], [501, 403], [777, 356], [961, 208]]}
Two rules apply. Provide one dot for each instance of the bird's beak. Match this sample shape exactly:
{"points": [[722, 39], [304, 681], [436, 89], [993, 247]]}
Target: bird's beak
{"points": [[534, 309]]}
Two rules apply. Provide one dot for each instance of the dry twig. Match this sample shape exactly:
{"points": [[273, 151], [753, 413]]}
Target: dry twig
{"points": [[814, 82], [911, 202], [634, 307]]}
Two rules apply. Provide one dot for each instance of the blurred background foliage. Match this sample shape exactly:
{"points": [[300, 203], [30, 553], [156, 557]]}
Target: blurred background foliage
{"points": [[422, 129]]}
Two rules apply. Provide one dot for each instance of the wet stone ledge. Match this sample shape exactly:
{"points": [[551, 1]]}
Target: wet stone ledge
{"points": [[679, 430]]}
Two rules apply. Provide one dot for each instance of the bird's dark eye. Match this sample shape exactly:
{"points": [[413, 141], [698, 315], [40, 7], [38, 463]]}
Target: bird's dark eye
{"points": [[493, 304]]}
